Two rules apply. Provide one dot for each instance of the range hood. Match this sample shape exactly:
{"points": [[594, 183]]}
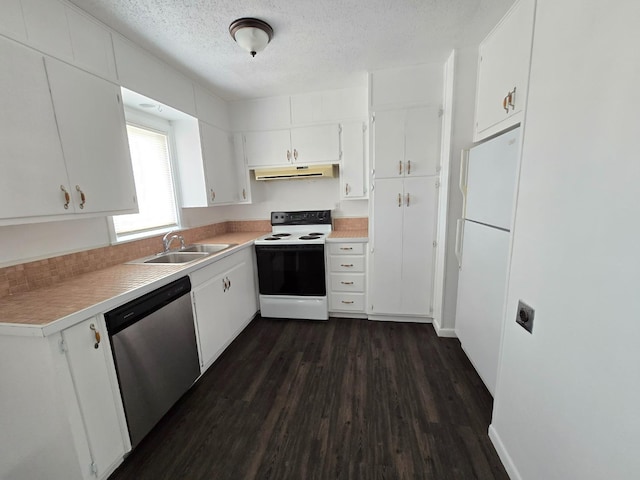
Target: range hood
{"points": [[284, 173]]}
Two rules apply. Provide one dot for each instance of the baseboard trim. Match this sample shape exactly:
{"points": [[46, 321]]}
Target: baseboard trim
{"points": [[443, 332], [362, 316], [505, 458], [399, 318]]}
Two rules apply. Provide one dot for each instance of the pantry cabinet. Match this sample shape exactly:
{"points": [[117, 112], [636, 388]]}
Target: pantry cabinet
{"points": [[402, 258], [503, 71], [224, 302], [296, 146], [406, 142]]}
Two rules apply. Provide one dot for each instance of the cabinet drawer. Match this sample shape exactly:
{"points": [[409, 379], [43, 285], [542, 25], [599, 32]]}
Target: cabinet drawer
{"points": [[346, 248], [346, 263], [347, 282], [352, 302]]}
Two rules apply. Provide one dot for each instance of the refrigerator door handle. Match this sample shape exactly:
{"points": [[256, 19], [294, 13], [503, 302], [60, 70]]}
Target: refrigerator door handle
{"points": [[464, 175], [459, 238]]}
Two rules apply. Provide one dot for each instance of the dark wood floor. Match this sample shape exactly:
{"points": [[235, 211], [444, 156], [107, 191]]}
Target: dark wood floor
{"points": [[343, 399]]}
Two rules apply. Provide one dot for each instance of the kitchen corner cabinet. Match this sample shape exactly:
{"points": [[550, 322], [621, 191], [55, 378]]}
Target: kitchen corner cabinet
{"points": [[91, 367], [347, 277], [53, 140], [406, 142], [353, 167], [220, 170], [295, 146], [224, 302], [404, 228], [62, 412], [503, 71]]}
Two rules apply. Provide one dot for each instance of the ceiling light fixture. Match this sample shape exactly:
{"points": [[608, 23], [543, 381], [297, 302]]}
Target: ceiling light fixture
{"points": [[251, 34]]}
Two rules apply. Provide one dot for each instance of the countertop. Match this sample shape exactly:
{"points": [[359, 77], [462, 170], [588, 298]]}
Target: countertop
{"points": [[348, 236], [50, 309]]}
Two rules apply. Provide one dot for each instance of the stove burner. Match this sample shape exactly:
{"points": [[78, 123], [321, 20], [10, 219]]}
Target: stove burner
{"points": [[316, 234], [281, 234], [272, 238], [309, 237]]}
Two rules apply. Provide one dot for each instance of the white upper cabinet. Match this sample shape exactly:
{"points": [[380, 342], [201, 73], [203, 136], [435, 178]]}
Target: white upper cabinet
{"points": [[33, 169], [503, 71], [143, 73], [297, 146], [94, 139], [92, 47], [317, 144], [217, 153], [12, 20], [47, 27], [407, 142], [269, 148], [353, 171]]}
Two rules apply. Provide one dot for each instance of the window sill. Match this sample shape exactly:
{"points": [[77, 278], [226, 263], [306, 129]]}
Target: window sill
{"points": [[131, 237]]}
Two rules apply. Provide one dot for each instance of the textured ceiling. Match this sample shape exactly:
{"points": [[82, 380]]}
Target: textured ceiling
{"points": [[317, 44]]}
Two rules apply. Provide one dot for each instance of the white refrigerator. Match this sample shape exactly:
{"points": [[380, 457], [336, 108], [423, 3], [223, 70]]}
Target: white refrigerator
{"points": [[488, 182]]}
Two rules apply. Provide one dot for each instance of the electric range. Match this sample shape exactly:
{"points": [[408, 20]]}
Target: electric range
{"points": [[291, 265]]}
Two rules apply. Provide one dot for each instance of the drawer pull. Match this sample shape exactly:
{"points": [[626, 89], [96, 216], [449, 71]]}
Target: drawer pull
{"points": [[346, 264], [346, 283], [348, 302], [346, 248]]}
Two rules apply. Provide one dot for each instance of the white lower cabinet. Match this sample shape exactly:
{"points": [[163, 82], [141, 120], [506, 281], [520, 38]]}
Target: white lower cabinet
{"points": [[224, 302], [89, 358], [62, 416], [404, 221], [347, 277]]}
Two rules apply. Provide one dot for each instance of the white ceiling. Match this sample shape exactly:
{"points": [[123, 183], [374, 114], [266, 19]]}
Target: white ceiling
{"points": [[317, 44]]}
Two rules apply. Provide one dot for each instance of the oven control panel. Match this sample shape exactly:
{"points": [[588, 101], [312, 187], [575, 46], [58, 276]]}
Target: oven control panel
{"points": [[306, 217]]}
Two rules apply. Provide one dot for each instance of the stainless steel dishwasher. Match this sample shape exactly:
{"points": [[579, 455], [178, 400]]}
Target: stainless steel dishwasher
{"points": [[154, 348]]}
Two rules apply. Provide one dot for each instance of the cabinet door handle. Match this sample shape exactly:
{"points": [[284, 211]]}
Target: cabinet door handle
{"points": [[408, 199], [346, 248], [409, 167], [512, 99], [505, 104], [213, 195], [288, 155], [347, 189], [244, 194], [83, 198], [399, 200], [346, 283], [295, 154], [96, 334], [229, 282], [348, 302], [346, 264], [67, 197], [400, 167]]}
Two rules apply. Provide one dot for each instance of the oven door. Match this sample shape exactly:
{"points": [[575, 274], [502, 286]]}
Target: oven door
{"points": [[291, 270]]}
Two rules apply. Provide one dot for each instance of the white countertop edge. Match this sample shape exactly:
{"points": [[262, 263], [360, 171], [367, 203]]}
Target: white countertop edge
{"points": [[30, 330], [348, 240]]}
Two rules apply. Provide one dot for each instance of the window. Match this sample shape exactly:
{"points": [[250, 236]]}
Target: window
{"points": [[151, 159]]}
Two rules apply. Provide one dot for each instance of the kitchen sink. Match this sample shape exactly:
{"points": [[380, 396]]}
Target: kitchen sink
{"points": [[176, 257], [188, 254], [208, 248]]}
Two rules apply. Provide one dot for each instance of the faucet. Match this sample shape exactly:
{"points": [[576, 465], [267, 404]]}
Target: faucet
{"points": [[168, 238]]}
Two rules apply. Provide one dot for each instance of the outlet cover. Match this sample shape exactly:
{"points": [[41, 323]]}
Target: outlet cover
{"points": [[524, 316]]}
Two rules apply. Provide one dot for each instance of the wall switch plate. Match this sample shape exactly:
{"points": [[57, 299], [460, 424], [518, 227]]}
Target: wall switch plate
{"points": [[524, 316]]}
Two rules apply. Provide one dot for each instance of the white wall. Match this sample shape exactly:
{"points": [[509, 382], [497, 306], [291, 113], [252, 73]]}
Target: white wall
{"points": [[567, 398], [462, 136]]}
